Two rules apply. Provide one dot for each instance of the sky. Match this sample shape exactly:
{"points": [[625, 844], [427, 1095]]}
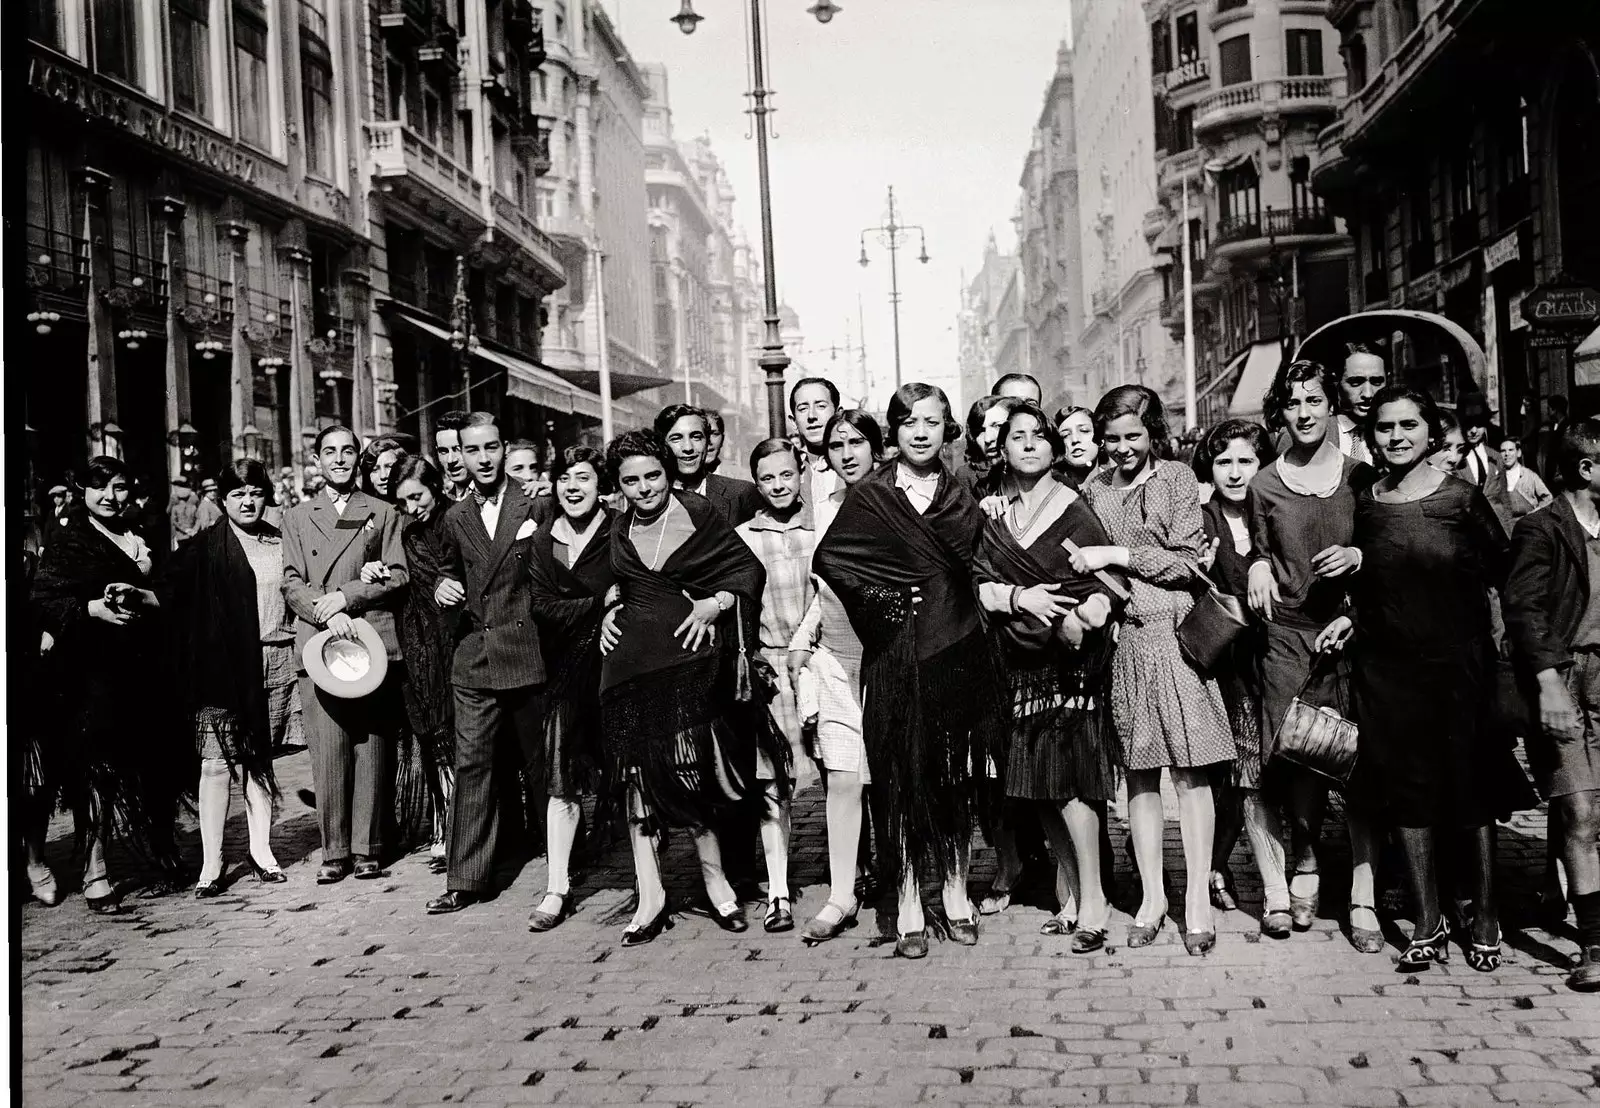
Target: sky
{"points": [[935, 97]]}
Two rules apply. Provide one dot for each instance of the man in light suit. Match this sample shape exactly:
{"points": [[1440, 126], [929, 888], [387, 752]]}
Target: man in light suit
{"points": [[498, 671], [327, 538]]}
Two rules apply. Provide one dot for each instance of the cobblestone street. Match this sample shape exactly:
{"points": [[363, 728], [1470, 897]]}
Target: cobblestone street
{"points": [[351, 995]]}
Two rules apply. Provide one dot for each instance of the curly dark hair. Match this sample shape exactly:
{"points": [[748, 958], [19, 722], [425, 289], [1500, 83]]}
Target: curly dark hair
{"points": [[577, 456], [1215, 443], [674, 412], [863, 422], [905, 398], [1142, 403], [368, 461], [1276, 400], [1047, 428], [643, 443], [242, 472]]}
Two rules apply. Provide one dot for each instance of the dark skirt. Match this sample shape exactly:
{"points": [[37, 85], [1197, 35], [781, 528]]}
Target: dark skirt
{"points": [[1062, 748], [1429, 755]]}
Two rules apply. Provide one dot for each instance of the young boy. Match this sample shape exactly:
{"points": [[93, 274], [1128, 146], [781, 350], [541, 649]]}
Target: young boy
{"points": [[1552, 613]]}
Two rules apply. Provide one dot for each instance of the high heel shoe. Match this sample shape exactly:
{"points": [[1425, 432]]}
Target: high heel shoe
{"points": [[1303, 909], [816, 931], [1143, 934], [913, 944], [1222, 898], [207, 889], [1425, 950], [637, 934], [1199, 943], [962, 932], [779, 917], [1363, 939], [1485, 957], [733, 920], [265, 875]]}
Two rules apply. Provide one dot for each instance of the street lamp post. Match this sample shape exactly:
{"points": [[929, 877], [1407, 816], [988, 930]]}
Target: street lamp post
{"points": [[461, 331], [892, 234], [773, 360]]}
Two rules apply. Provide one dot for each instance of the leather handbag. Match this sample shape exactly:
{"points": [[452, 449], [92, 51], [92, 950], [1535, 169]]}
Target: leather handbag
{"points": [[1316, 737], [1211, 626]]}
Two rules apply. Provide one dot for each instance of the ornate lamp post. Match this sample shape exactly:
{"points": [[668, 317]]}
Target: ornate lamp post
{"points": [[461, 330], [773, 360], [893, 235]]}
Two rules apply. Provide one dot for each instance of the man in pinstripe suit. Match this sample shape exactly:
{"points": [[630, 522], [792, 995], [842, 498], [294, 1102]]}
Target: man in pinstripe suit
{"points": [[498, 672], [327, 538]]}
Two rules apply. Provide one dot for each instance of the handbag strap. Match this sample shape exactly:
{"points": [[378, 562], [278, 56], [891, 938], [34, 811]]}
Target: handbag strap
{"points": [[1110, 582]]}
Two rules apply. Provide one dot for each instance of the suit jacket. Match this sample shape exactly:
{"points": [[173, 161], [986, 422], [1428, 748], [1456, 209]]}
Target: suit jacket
{"points": [[737, 501], [497, 643], [1493, 486], [1548, 588], [324, 551]]}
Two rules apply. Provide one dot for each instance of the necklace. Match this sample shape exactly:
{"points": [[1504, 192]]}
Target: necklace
{"points": [[660, 537]]}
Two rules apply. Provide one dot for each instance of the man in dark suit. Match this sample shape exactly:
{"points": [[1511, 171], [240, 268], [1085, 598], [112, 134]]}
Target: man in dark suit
{"points": [[498, 672], [1552, 610], [327, 538], [687, 432]]}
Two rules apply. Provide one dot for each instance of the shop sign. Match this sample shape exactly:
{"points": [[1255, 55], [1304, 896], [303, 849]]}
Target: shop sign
{"points": [[1424, 291], [152, 124], [1453, 277], [1518, 320], [1507, 248], [1562, 306], [1491, 350]]}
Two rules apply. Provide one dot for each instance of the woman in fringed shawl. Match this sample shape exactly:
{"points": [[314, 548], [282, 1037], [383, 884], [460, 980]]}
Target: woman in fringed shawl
{"points": [[681, 720], [108, 769], [1064, 755], [233, 647], [570, 565], [425, 771], [900, 555]]}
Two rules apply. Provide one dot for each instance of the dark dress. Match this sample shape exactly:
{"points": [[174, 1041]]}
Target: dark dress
{"points": [[1063, 745], [427, 643], [682, 727], [1425, 665], [110, 739], [568, 603], [1239, 672]]}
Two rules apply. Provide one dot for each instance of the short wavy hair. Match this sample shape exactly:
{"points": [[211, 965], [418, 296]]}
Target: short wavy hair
{"points": [[642, 443], [1214, 444], [906, 397], [863, 422], [423, 470], [1432, 415], [766, 448], [242, 472], [1142, 403], [1276, 401], [674, 412], [577, 456], [1047, 428]]}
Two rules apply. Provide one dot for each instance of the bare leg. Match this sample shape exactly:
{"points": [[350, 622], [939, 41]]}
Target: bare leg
{"points": [[775, 842], [258, 817], [909, 917], [561, 817], [1144, 827], [718, 890], [957, 905], [1074, 834], [844, 812], [646, 866], [1363, 872], [1197, 822]]}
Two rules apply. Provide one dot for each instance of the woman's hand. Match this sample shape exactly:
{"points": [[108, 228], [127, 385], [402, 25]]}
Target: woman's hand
{"points": [[1087, 559], [374, 573], [798, 659], [1208, 554], [1334, 636], [130, 597], [1336, 561], [610, 633], [1042, 602], [1094, 612], [1558, 713], [117, 617], [448, 592], [1262, 593], [700, 625], [993, 506]]}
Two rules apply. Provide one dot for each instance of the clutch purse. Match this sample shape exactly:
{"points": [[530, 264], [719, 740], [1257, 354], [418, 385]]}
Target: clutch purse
{"points": [[1317, 738], [1212, 624]]}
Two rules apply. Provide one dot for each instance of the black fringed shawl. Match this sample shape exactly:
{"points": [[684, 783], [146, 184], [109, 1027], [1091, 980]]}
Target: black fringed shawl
{"points": [[659, 703], [208, 596], [568, 603], [427, 642], [934, 711], [109, 735], [1042, 669]]}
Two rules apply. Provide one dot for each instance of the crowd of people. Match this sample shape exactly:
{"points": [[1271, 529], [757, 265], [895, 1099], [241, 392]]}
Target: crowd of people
{"points": [[1326, 601]]}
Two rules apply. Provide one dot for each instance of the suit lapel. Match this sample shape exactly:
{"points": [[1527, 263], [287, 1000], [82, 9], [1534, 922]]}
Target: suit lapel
{"points": [[345, 529], [1571, 532], [514, 511], [323, 515]]}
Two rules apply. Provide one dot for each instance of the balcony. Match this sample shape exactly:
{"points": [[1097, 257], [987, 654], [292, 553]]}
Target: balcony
{"points": [[518, 226], [1241, 235], [1174, 169], [532, 137], [408, 21], [400, 157], [441, 48], [1246, 102], [1375, 287], [1391, 83]]}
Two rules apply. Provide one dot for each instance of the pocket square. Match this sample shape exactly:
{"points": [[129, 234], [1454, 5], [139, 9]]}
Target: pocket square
{"points": [[526, 530]]}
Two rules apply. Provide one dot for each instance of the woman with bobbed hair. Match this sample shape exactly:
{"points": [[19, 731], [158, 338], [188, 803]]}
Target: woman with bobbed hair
{"points": [[569, 562], [376, 467], [94, 600], [1080, 452], [233, 639], [681, 722]]}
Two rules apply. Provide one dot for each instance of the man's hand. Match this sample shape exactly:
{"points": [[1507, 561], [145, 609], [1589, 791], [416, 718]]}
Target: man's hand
{"points": [[1042, 603], [374, 572], [1558, 713], [448, 592], [117, 617], [1262, 593], [1336, 561], [342, 626], [327, 606], [1094, 612], [993, 506]]}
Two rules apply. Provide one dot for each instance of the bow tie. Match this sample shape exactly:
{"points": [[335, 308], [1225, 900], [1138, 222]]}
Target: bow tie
{"points": [[482, 498]]}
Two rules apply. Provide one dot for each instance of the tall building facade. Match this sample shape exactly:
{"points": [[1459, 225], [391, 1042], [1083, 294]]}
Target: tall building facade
{"points": [[195, 281], [1240, 91], [1466, 160], [993, 324], [1048, 246], [1121, 339]]}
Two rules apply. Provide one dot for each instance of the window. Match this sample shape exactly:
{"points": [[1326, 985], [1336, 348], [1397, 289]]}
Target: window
{"points": [[1463, 191], [1188, 38], [116, 39], [394, 87], [1183, 129], [1305, 201], [1230, 5], [1160, 46], [250, 62], [316, 79], [1303, 53], [1406, 16], [191, 56], [1355, 60], [1239, 194], [1511, 167], [1419, 226], [430, 116], [44, 22], [1233, 56]]}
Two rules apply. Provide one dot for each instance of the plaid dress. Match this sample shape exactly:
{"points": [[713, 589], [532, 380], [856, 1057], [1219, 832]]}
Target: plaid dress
{"points": [[784, 548]]}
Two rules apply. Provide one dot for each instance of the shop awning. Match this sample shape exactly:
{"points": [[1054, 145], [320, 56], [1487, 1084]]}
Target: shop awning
{"points": [[622, 384], [1260, 368], [1229, 372], [1589, 349]]}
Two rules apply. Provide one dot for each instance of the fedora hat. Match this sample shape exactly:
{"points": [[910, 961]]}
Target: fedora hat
{"points": [[347, 668]]}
